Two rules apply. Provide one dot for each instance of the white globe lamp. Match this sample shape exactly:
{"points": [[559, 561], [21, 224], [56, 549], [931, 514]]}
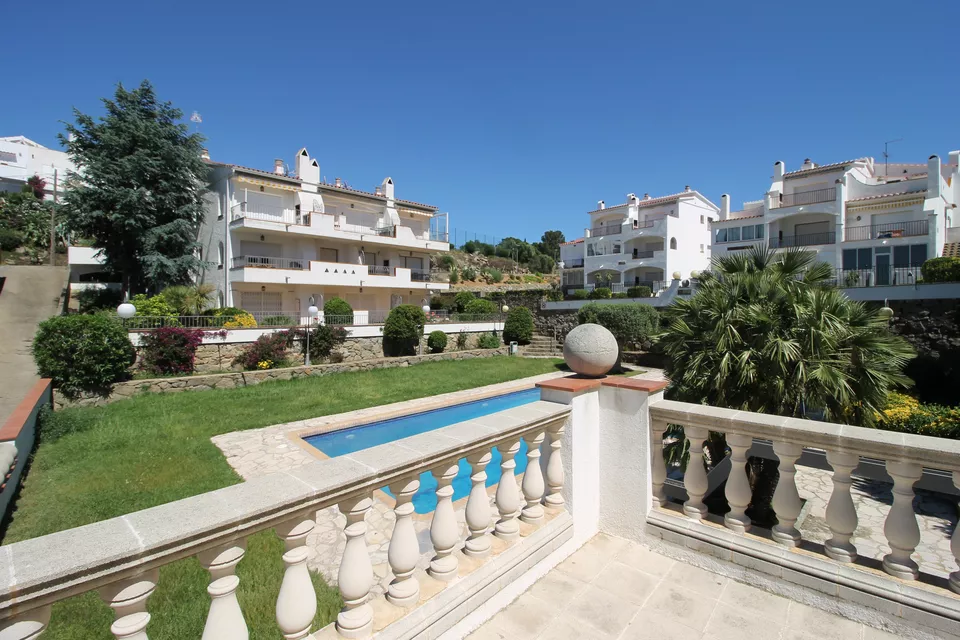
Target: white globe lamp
{"points": [[506, 308], [126, 310], [426, 308], [313, 310]]}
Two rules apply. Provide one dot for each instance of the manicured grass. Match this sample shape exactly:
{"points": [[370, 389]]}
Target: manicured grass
{"points": [[98, 463]]}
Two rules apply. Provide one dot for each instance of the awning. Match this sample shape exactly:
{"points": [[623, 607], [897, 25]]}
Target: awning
{"points": [[268, 183], [415, 212], [310, 201]]}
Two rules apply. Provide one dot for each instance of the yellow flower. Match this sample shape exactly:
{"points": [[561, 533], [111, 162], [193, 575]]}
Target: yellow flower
{"points": [[264, 364]]}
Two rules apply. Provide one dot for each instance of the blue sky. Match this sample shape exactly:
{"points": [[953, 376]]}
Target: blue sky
{"points": [[514, 117]]}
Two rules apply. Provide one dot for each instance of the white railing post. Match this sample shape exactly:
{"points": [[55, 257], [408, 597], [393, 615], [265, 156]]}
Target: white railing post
{"points": [[478, 515], [695, 476], [841, 512], [658, 468], [738, 492], [955, 543], [444, 530], [786, 498], [901, 528], [355, 577], [128, 599], [532, 484], [297, 600], [225, 619], [508, 497], [404, 551], [553, 499], [26, 626]]}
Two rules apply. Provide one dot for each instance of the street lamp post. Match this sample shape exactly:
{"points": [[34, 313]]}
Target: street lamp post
{"points": [[312, 310], [126, 309]]}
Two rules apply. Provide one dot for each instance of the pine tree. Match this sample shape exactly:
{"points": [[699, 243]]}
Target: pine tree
{"points": [[138, 193]]}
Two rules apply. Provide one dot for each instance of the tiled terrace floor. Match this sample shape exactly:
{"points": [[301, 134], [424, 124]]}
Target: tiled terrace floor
{"points": [[616, 589]]}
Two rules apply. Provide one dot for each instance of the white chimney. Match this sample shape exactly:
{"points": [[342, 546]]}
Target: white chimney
{"points": [[601, 205], [724, 206], [933, 177], [387, 185], [808, 164], [302, 164], [778, 170], [686, 189], [278, 167], [205, 154], [337, 182], [646, 196]]}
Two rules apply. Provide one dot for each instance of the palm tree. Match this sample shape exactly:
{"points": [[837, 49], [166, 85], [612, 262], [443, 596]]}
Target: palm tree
{"points": [[191, 299]]}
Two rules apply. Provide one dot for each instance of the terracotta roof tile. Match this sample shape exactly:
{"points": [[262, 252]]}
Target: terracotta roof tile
{"points": [[887, 195], [577, 241], [822, 167], [652, 201]]}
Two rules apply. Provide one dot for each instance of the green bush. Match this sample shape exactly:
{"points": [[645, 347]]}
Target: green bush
{"points": [[907, 415], [461, 300], [631, 324], [488, 341], [600, 293], [10, 239], [494, 275], [944, 269], [519, 326], [641, 291], [269, 351], [277, 321], [620, 295], [324, 339], [169, 350], [402, 330], [437, 341], [93, 300], [446, 261], [337, 311], [480, 306], [469, 274], [154, 306], [462, 340], [82, 352], [454, 275], [580, 294]]}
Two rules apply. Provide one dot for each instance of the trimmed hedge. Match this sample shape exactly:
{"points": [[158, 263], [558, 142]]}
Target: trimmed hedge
{"points": [[402, 330], [601, 293], [437, 341], [519, 326], [337, 311], [480, 306], [641, 291], [630, 324], [944, 269]]}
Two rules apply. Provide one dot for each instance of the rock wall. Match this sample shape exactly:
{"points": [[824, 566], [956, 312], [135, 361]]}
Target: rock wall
{"points": [[236, 379], [932, 327]]}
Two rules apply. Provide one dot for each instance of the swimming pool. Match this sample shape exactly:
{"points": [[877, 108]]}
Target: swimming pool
{"points": [[344, 441]]}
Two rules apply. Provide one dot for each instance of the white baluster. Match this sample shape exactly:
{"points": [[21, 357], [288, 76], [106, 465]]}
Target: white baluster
{"points": [[532, 484], [26, 626], [901, 529], [128, 599], [508, 497], [658, 468], [444, 530], [786, 498], [841, 512], [695, 476], [297, 600], [355, 577], [478, 513], [738, 485], [225, 619], [955, 543], [404, 589], [554, 498]]}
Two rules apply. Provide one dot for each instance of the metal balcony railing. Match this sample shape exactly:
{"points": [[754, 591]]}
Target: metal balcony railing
{"points": [[605, 230], [806, 240], [270, 263], [642, 255], [267, 213], [798, 198], [889, 276], [576, 263], [887, 230], [375, 270]]}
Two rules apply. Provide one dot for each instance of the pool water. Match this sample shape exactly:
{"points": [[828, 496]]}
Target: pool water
{"points": [[344, 441]]}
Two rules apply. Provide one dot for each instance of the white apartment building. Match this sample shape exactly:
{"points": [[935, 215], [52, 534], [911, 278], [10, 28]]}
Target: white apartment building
{"points": [[874, 223], [21, 158], [275, 240], [642, 241]]}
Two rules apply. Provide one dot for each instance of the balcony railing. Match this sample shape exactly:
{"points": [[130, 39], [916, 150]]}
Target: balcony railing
{"points": [[427, 275], [268, 214], [644, 255], [576, 263], [879, 276], [376, 270], [606, 230], [439, 236], [806, 240], [293, 318], [887, 230], [270, 263], [798, 198]]}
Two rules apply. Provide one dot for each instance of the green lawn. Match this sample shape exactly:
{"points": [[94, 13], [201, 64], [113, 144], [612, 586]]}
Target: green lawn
{"points": [[103, 462]]}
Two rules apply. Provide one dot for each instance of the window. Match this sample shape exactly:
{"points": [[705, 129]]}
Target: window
{"points": [[220, 255], [8, 156], [721, 235], [918, 254], [733, 234], [901, 256], [701, 219], [590, 250], [616, 247], [328, 255], [701, 248], [673, 243], [747, 233], [758, 229]]}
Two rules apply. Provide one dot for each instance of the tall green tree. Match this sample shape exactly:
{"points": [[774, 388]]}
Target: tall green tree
{"points": [[138, 193], [550, 243]]}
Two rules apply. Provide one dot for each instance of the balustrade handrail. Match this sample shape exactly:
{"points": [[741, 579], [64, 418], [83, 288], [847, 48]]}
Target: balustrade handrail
{"points": [[797, 198], [904, 229], [606, 230], [804, 240], [301, 264], [41, 571]]}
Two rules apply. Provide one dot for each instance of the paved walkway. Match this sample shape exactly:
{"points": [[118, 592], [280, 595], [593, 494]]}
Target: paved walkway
{"points": [[613, 589], [30, 294]]}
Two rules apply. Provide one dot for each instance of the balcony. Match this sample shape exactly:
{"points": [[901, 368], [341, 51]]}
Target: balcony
{"points": [[269, 270], [887, 230], [806, 240], [576, 263], [577, 449], [605, 230], [799, 198]]}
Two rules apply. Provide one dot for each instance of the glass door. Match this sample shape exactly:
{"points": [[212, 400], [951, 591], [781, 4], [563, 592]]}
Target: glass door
{"points": [[883, 269]]}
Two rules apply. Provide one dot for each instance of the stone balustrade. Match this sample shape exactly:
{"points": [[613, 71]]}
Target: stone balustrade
{"points": [[905, 456], [120, 558]]}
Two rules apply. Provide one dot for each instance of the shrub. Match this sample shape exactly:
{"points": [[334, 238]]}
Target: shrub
{"points": [[494, 275], [337, 311], [469, 274], [944, 269], [519, 326], [93, 300], [641, 291], [324, 339], [10, 239], [54, 425], [402, 330], [240, 320], [462, 339], [580, 294], [169, 350], [907, 415], [446, 261], [454, 275], [437, 341], [436, 303], [480, 306], [541, 263], [462, 299], [630, 324], [269, 351], [620, 295], [600, 293], [153, 306], [277, 321], [82, 352], [488, 341]]}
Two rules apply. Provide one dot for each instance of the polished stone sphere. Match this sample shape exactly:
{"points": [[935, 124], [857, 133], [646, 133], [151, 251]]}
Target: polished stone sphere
{"points": [[590, 350]]}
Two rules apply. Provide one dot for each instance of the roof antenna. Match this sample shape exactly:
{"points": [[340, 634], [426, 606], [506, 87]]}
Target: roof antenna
{"points": [[886, 158]]}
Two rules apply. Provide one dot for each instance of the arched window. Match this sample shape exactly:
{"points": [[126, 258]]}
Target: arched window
{"points": [[220, 255], [673, 243]]}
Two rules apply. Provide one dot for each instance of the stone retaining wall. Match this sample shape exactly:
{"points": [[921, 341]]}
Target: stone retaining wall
{"points": [[246, 378]]}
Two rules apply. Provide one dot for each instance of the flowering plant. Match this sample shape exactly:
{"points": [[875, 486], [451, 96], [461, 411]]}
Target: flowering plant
{"points": [[170, 350]]}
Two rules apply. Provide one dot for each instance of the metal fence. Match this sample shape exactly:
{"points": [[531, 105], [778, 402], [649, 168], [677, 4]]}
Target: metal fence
{"points": [[640, 255], [878, 277], [806, 197], [606, 230], [887, 230], [291, 318], [806, 240], [270, 263]]}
